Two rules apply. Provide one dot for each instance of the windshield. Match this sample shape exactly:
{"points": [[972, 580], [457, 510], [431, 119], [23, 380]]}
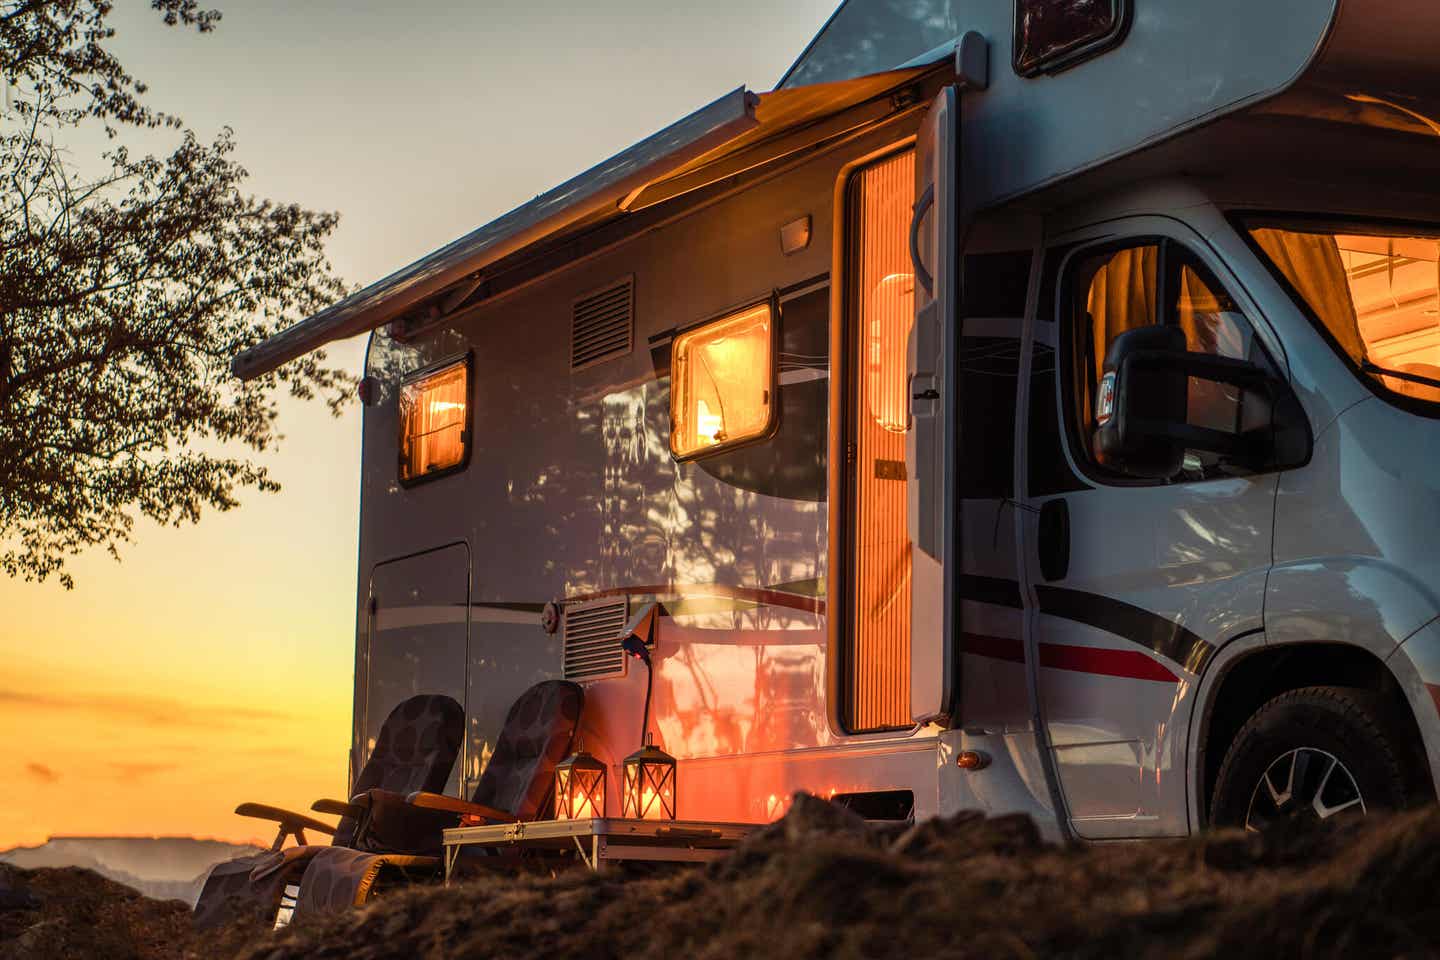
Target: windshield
{"points": [[1375, 290]]}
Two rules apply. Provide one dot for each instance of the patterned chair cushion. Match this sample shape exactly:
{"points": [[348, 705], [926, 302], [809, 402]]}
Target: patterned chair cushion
{"points": [[537, 735], [415, 750]]}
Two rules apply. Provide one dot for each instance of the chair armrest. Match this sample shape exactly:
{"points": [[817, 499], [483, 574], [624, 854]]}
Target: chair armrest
{"points": [[436, 801], [285, 818], [338, 808]]}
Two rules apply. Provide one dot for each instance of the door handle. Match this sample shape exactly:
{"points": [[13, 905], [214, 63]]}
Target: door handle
{"points": [[922, 206], [1054, 539]]}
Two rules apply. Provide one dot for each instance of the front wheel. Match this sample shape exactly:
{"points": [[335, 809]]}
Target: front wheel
{"points": [[1307, 756]]}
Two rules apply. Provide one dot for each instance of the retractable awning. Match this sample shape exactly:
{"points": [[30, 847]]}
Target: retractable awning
{"points": [[735, 133]]}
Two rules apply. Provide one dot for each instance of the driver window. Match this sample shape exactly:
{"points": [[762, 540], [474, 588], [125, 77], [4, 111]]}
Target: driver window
{"points": [[1116, 290], [1113, 292]]}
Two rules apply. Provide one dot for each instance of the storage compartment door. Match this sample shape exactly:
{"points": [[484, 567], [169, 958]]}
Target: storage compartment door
{"points": [[929, 454], [419, 628]]}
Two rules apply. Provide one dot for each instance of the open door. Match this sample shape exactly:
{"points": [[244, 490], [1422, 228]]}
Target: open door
{"points": [[929, 456]]}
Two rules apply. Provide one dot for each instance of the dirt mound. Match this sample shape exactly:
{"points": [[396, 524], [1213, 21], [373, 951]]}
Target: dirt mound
{"points": [[60, 913], [819, 884]]}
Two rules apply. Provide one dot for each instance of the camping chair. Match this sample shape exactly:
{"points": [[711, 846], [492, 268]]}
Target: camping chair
{"points": [[515, 786], [415, 750]]}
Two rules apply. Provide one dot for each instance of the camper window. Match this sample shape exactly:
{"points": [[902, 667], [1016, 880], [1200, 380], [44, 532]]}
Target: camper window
{"points": [[1115, 290], [1053, 34], [434, 421], [723, 383], [1376, 294]]}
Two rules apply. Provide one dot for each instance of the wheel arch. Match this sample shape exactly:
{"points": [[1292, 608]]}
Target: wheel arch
{"points": [[1249, 672]]}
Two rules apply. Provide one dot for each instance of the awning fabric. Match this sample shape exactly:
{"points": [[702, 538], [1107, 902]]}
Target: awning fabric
{"points": [[732, 134]]}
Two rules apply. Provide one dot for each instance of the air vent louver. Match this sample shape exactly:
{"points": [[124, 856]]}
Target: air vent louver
{"points": [[592, 639], [602, 324]]}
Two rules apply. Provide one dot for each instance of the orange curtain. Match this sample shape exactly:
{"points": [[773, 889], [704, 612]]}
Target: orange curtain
{"points": [[434, 422], [1312, 264], [879, 668], [1122, 297]]}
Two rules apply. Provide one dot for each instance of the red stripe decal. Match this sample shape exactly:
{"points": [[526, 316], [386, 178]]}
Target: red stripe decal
{"points": [[1128, 664], [1434, 689], [996, 648]]}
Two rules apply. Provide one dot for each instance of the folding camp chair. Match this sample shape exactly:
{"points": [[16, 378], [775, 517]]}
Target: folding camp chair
{"points": [[537, 735], [415, 750]]}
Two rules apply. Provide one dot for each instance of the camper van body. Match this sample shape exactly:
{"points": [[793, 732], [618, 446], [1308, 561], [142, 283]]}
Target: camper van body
{"points": [[1089, 645]]}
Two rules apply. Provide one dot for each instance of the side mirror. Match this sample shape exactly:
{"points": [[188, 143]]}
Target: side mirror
{"points": [[1142, 423], [1139, 395]]}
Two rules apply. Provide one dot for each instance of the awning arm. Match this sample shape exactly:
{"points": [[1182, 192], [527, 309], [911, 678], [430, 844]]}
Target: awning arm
{"points": [[598, 189]]}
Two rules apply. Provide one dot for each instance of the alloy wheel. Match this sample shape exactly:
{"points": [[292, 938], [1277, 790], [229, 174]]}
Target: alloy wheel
{"points": [[1305, 784]]}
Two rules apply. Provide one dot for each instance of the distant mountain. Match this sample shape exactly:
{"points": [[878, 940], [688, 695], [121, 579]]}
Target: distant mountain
{"points": [[166, 868]]}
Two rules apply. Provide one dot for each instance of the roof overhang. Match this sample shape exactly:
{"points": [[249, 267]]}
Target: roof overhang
{"points": [[738, 132]]}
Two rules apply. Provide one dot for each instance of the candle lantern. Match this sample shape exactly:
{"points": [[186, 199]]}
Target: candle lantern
{"points": [[579, 787], [649, 784]]}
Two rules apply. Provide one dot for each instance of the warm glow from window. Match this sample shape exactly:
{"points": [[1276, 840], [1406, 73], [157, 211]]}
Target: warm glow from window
{"points": [[1378, 295], [432, 422], [722, 378], [878, 665], [891, 315]]}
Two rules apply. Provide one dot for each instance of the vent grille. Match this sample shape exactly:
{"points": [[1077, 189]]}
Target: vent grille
{"points": [[592, 639], [602, 325]]}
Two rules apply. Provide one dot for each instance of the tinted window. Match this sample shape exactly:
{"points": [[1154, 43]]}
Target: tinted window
{"points": [[1050, 34]]}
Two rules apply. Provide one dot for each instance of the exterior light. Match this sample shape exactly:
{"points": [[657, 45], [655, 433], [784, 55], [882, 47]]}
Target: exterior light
{"points": [[579, 787], [971, 760], [649, 784], [795, 236]]}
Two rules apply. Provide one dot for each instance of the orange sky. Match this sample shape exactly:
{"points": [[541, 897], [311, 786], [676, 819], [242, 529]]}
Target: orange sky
{"points": [[213, 664]]}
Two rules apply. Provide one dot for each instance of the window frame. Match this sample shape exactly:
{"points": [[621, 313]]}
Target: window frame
{"points": [[772, 425], [1073, 55], [467, 362], [1243, 221], [1172, 253]]}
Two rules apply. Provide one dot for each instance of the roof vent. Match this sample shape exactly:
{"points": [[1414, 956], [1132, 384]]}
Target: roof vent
{"points": [[602, 325], [592, 639]]}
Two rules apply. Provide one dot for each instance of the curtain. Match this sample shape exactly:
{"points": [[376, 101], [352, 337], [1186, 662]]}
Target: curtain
{"points": [[1312, 264], [1122, 297]]}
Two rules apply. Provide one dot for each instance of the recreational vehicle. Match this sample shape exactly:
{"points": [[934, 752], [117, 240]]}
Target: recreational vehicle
{"points": [[1026, 406]]}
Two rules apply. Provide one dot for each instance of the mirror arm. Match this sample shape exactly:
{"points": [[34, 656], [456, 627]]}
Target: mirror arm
{"points": [[1247, 448], [1206, 366]]}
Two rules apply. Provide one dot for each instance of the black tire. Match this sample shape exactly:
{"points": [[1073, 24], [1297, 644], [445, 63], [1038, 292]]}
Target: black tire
{"points": [[1302, 731]]}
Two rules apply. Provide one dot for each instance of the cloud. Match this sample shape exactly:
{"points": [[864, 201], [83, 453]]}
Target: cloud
{"points": [[135, 772], [39, 771], [150, 711]]}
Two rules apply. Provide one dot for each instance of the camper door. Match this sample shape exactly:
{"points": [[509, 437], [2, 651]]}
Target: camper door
{"points": [[419, 623], [932, 391]]}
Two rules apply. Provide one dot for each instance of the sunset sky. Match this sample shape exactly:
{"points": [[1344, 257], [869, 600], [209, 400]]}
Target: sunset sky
{"points": [[213, 663]]}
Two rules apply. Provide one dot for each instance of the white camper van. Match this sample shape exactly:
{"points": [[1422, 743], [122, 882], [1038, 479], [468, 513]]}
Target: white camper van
{"points": [[1027, 406]]}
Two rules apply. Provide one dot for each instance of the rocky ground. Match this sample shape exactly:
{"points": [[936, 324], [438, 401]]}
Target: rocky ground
{"points": [[819, 884]]}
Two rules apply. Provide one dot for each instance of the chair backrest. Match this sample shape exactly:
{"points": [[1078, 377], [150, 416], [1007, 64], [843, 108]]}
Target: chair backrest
{"points": [[537, 735], [415, 750]]}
